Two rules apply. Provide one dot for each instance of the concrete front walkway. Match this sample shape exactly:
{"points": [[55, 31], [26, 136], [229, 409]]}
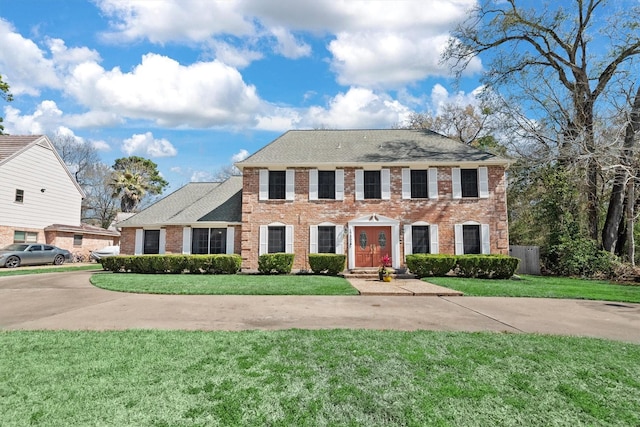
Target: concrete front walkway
{"points": [[403, 286], [68, 301]]}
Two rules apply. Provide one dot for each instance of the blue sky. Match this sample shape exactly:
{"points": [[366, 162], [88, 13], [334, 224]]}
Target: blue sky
{"points": [[195, 85]]}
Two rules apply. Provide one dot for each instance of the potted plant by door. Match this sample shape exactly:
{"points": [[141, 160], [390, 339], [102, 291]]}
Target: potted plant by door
{"points": [[385, 271]]}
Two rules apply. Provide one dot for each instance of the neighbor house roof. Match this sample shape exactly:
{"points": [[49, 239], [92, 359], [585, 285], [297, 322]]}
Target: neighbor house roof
{"points": [[195, 202], [82, 229], [12, 146], [358, 147]]}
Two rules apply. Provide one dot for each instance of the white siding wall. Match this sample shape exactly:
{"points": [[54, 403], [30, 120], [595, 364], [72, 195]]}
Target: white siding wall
{"points": [[35, 169]]}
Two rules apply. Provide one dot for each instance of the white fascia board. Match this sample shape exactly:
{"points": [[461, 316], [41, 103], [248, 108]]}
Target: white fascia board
{"points": [[379, 165]]}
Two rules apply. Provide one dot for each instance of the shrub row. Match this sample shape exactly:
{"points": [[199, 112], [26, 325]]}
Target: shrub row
{"points": [[480, 266], [331, 264], [176, 264], [278, 263]]}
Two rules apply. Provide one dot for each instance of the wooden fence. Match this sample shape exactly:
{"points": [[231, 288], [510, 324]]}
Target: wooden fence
{"points": [[529, 258]]}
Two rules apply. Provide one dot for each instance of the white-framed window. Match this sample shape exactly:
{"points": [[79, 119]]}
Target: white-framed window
{"points": [[275, 238], [326, 238], [373, 184], [421, 238], [472, 238], [25, 236], [276, 185], [470, 182], [420, 183], [326, 185], [152, 241], [202, 240]]}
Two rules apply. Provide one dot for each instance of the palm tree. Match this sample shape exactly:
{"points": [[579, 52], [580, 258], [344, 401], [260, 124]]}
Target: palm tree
{"points": [[130, 188]]}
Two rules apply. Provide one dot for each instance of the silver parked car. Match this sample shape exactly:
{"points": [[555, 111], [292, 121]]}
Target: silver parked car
{"points": [[19, 254]]}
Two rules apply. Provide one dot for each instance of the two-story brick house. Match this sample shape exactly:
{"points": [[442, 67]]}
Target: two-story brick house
{"points": [[366, 194]]}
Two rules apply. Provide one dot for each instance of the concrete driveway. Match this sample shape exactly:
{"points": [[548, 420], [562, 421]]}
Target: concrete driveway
{"points": [[68, 301]]}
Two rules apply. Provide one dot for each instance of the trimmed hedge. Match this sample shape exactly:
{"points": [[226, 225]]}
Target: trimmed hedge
{"points": [[481, 266], [425, 265], [279, 263], [331, 264], [174, 264]]}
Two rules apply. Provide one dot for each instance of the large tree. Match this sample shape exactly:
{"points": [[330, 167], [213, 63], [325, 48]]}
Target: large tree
{"points": [[78, 155], [6, 95], [133, 178], [557, 60]]}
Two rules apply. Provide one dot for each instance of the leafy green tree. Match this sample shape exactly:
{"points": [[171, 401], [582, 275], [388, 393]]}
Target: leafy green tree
{"points": [[134, 178], [6, 95], [559, 60]]}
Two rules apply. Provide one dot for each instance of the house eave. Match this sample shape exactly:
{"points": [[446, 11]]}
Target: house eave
{"points": [[377, 165]]}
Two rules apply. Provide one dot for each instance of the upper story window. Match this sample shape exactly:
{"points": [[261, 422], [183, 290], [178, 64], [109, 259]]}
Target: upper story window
{"points": [[420, 183], [326, 185], [19, 196], [470, 182], [372, 185], [276, 185]]}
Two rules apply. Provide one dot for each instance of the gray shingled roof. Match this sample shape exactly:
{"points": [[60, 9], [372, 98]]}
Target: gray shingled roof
{"points": [[195, 202], [14, 144], [348, 147]]}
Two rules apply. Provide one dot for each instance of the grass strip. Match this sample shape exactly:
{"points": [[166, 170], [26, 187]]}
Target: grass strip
{"points": [[542, 287], [327, 377], [233, 284], [41, 270]]}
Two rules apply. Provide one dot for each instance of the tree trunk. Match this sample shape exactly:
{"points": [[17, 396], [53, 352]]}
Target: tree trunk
{"points": [[631, 244], [622, 175]]}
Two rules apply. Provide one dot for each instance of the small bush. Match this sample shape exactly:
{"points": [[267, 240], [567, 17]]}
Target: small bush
{"points": [[279, 263], [174, 264], [331, 264], [426, 265], [579, 257], [486, 266]]}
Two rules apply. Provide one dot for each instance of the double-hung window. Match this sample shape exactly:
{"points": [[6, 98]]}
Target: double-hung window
{"points": [[421, 238], [151, 241], [276, 185], [472, 238], [420, 183], [373, 184], [19, 196], [276, 238], [326, 185], [470, 183], [326, 238]]}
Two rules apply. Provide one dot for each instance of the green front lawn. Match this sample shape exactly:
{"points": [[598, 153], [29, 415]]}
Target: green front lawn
{"points": [[541, 287], [309, 378], [231, 284]]}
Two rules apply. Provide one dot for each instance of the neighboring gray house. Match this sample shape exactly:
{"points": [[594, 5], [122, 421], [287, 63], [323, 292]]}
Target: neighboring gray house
{"points": [[199, 218]]}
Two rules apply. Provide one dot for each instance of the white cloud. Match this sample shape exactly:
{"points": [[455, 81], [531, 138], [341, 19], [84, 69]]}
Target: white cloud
{"points": [[100, 145], [147, 145], [44, 120], [164, 21], [203, 94], [23, 64], [358, 108], [233, 56], [201, 176], [288, 46], [240, 155], [440, 97]]}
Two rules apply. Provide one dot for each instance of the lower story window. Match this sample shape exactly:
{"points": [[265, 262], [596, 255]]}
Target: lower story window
{"points": [[327, 240], [151, 241], [276, 240], [25, 237], [209, 241], [77, 240], [420, 236], [471, 239]]}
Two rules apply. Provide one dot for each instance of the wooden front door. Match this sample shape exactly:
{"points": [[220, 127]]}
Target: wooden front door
{"points": [[372, 243]]}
